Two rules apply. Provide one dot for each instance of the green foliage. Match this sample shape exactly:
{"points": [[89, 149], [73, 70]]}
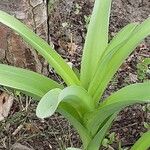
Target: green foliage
{"points": [[143, 69], [48, 104], [56, 61], [79, 101], [109, 140], [34, 84], [143, 142]]}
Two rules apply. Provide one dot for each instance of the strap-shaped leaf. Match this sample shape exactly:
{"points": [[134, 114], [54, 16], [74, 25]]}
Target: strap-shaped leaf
{"points": [[48, 104], [98, 138], [52, 101], [121, 36], [83, 132], [96, 40], [116, 43], [57, 99], [132, 94], [141, 31], [55, 60], [75, 96], [81, 103], [72, 102], [143, 143], [78, 98], [34, 84]]}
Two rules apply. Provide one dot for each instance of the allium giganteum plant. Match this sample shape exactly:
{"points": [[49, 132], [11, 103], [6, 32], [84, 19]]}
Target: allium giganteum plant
{"points": [[80, 102]]}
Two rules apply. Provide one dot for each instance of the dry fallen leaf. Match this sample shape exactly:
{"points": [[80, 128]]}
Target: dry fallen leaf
{"points": [[133, 77], [72, 48], [6, 102]]}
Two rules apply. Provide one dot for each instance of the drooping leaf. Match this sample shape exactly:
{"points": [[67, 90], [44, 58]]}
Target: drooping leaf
{"points": [[78, 98], [120, 37], [96, 40], [116, 43], [29, 82], [48, 104], [132, 94], [51, 102], [55, 60], [143, 143], [75, 103], [141, 31], [71, 110], [97, 140], [72, 102]]}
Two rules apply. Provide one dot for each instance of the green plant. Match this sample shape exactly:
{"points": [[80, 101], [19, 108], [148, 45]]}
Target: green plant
{"points": [[80, 102], [143, 69], [109, 140]]}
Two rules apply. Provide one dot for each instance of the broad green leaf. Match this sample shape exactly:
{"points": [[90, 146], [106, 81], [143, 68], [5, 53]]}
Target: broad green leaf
{"points": [[132, 94], [98, 138], [55, 60], [116, 43], [96, 40], [34, 84], [120, 37], [78, 98], [48, 104], [71, 110], [51, 103], [83, 132], [143, 143], [72, 102], [108, 71]]}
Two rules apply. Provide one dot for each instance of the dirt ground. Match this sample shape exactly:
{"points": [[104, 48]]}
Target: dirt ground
{"points": [[68, 22]]}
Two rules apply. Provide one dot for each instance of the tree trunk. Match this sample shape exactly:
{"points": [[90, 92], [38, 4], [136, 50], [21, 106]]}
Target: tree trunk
{"points": [[13, 50]]}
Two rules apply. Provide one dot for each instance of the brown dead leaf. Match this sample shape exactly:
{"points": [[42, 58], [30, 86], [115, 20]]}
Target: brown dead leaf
{"points": [[32, 128], [6, 102], [72, 48], [133, 77], [18, 146]]}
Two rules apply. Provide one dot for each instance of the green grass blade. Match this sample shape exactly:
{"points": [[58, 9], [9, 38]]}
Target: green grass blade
{"points": [[135, 93], [116, 43], [97, 140], [34, 84], [96, 40], [117, 58], [55, 60], [143, 143]]}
